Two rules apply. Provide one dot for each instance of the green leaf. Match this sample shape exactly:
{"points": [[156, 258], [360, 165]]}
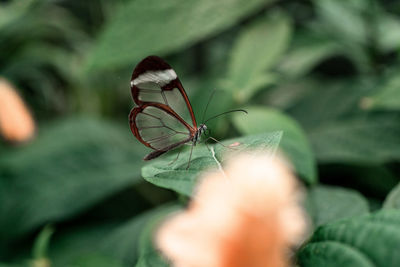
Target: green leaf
{"points": [[42, 242], [306, 55], [366, 138], [294, 142], [144, 27], [148, 255], [372, 240], [72, 165], [345, 23], [341, 131], [327, 204], [392, 201], [325, 102], [286, 94], [72, 245], [388, 34], [11, 265], [11, 11], [97, 260], [364, 177], [126, 241], [343, 19], [176, 177], [332, 254], [257, 49], [118, 241], [387, 97]]}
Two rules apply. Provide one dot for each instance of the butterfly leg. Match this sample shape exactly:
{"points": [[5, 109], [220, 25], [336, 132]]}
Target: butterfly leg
{"points": [[177, 156], [215, 140], [190, 157], [205, 142]]}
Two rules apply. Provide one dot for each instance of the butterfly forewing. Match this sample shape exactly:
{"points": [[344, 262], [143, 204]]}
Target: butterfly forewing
{"points": [[154, 81], [164, 118], [178, 104]]}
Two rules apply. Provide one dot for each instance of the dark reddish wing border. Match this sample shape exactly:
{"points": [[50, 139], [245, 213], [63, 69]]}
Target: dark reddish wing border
{"points": [[150, 63], [158, 153], [154, 63], [135, 111]]}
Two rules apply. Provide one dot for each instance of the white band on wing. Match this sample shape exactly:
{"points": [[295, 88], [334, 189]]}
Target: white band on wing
{"points": [[160, 77]]}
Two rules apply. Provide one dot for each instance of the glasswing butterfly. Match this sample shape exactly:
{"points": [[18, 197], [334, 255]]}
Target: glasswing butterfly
{"points": [[163, 118]]}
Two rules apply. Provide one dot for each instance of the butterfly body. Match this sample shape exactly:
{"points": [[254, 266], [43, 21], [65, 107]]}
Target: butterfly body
{"points": [[199, 133]]}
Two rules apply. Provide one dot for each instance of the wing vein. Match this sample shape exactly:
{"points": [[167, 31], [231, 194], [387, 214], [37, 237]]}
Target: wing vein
{"points": [[149, 90], [162, 123], [160, 137], [165, 99]]}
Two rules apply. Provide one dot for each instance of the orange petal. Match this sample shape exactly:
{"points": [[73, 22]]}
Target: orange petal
{"points": [[16, 122], [249, 216]]}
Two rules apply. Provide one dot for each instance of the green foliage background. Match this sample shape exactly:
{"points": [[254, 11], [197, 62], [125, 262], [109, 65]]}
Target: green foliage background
{"points": [[320, 80]]}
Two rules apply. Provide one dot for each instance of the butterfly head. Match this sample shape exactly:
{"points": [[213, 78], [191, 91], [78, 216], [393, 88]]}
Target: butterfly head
{"points": [[202, 128]]}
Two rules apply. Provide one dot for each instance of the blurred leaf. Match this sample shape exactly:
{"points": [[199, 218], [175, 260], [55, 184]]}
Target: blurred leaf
{"points": [[385, 98], [388, 32], [72, 165], [368, 241], [328, 101], [42, 57], [343, 18], [118, 241], [392, 201], [40, 248], [123, 242], [373, 180], [97, 260], [294, 142], [258, 48], [303, 57], [367, 138], [72, 245], [257, 83], [327, 204], [341, 131], [287, 93], [144, 27], [14, 10], [41, 43], [10, 265], [176, 177], [345, 23], [148, 255]]}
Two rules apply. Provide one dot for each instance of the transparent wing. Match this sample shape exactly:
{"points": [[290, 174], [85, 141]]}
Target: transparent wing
{"points": [[154, 81], [152, 93], [157, 127]]}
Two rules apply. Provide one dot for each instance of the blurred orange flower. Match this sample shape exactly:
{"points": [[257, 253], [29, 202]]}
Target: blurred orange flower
{"points": [[16, 122], [248, 216]]}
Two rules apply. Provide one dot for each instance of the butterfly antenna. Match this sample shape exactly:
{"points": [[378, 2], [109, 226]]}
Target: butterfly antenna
{"points": [[226, 112], [208, 103]]}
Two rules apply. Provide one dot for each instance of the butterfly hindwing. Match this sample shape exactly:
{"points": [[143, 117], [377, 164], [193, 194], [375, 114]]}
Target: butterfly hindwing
{"points": [[158, 127]]}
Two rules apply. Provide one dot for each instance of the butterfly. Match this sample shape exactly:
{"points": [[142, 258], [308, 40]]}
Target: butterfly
{"points": [[163, 118]]}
